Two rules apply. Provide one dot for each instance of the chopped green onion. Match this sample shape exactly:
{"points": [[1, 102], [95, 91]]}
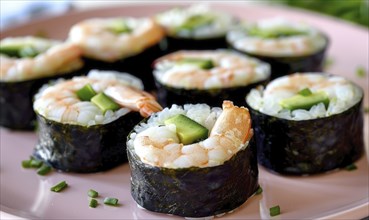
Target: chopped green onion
{"points": [[104, 102], [43, 170], [351, 167], [92, 193], [86, 93], [36, 163], [111, 201], [259, 191], [93, 203], [360, 72], [59, 187], [26, 163], [275, 210], [305, 92]]}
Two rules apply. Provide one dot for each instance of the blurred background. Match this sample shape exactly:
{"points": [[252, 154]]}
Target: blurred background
{"points": [[16, 12]]}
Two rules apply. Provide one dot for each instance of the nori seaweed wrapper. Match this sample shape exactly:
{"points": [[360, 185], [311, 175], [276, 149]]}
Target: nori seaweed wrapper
{"points": [[214, 97], [82, 149], [173, 43], [16, 101], [281, 66], [309, 146], [139, 65], [194, 191]]}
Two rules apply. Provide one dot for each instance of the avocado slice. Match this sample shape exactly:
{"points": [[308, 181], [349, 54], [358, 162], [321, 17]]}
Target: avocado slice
{"points": [[86, 93], [201, 63], [196, 21], [303, 101], [274, 32], [18, 50], [188, 130], [104, 102], [119, 27]]}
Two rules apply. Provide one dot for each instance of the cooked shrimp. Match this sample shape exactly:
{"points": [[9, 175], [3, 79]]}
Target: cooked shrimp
{"points": [[160, 146], [230, 69], [57, 60], [134, 99], [61, 103], [99, 42]]}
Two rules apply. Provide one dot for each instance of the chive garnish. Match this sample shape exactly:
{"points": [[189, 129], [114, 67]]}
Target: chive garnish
{"points": [[111, 201], [43, 170], [259, 191], [36, 163], [26, 163], [275, 210], [360, 72], [93, 203], [86, 93], [104, 102], [59, 187], [351, 167], [92, 193]]}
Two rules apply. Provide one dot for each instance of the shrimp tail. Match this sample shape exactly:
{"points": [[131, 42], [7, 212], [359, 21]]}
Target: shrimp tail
{"points": [[234, 122], [148, 106]]}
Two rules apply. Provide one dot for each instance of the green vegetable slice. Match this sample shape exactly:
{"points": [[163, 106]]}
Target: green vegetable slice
{"points": [[59, 187], [274, 32], [111, 201], [43, 170], [305, 92], [188, 130], [92, 193], [259, 191], [305, 101], [119, 27], [196, 21], [275, 210], [201, 63], [19, 50], [93, 203], [104, 102], [86, 93]]}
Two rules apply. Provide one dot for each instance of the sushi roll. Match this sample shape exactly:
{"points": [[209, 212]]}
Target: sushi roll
{"points": [[207, 77], [307, 123], [84, 121], [195, 28], [288, 46], [193, 161], [26, 63], [123, 44]]}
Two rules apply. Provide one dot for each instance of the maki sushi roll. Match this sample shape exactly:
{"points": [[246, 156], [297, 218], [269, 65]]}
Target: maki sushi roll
{"points": [[26, 63], [195, 28], [193, 161], [207, 77], [287, 46], [84, 121], [121, 43], [307, 123]]}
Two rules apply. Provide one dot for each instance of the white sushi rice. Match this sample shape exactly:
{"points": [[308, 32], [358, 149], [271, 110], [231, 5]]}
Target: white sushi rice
{"points": [[342, 93], [89, 113], [174, 18], [201, 113], [297, 45], [231, 69]]}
